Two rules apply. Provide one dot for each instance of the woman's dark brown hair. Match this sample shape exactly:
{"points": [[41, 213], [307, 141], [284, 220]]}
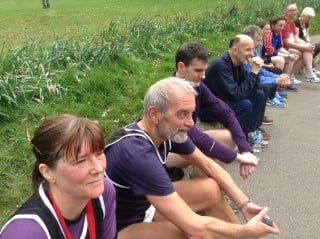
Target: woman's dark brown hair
{"points": [[62, 136]]}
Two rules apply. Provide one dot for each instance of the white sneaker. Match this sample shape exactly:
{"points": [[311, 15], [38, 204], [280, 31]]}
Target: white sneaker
{"points": [[313, 79], [264, 144], [316, 72], [294, 80]]}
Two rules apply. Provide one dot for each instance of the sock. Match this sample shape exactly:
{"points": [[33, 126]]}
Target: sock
{"points": [[310, 73]]}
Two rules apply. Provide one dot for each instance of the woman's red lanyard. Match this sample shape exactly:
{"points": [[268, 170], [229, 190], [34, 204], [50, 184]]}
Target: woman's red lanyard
{"points": [[89, 214]]}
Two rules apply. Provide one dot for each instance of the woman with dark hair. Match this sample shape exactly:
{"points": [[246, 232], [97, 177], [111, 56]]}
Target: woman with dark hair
{"points": [[72, 197]]}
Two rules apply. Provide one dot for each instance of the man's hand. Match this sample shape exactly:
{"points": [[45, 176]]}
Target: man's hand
{"points": [[293, 56], [247, 158], [260, 228], [246, 170], [283, 80], [248, 163], [309, 47], [255, 63]]}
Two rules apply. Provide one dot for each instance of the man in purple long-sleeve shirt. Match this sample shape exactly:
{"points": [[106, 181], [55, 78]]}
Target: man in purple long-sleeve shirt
{"points": [[191, 63]]}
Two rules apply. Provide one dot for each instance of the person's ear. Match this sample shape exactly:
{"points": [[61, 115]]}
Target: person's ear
{"points": [[234, 50], [46, 173], [181, 67], [154, 114]]}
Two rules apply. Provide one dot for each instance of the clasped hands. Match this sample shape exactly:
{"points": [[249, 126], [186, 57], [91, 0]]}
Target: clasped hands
{"points": [[283, 80]]}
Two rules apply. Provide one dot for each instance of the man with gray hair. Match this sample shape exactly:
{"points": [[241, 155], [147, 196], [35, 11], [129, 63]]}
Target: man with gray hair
{"points": [[302, 25], [295, 45], [149, 205]]}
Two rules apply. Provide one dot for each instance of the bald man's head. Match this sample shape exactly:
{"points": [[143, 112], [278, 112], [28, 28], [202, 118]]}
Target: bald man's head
{"points": [[240, 40], [241, 49]]}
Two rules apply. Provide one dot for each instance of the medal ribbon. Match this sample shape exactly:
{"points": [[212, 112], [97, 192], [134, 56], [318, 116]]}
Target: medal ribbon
{"points": [[89, 214]]}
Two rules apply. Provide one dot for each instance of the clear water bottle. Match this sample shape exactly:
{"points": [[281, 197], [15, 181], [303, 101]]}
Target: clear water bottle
{"points": [[257, 142]]}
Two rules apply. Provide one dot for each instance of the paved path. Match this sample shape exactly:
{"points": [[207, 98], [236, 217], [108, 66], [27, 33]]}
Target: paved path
{"points": [[288, 176]]}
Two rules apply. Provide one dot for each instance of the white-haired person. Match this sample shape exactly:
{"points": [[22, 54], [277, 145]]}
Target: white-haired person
{"points": [[295, 45], [149, 204], [302, 26]]}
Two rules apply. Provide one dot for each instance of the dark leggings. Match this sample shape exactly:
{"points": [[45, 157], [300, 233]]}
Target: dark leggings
{"points": [[269, 91], [274, 70]]}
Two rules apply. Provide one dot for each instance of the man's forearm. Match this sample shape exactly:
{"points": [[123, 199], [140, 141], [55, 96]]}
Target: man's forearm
{"points": [[226, 183], [222, 177], [224, 230], [215, 171]]}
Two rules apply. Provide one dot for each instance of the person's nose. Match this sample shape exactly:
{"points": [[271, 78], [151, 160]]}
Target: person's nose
{"points": [[189, 121], [98, 165], [202, 75]]}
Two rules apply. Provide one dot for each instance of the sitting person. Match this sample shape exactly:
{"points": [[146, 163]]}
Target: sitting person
{"points": [[73, 199], [302, 26], [267, 78], [149, 205], [191, 62], [273, 47], [274, 64], [227, 78], [295, 45]]}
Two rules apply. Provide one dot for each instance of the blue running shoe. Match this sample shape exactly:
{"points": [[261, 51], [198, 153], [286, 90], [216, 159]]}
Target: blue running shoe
{"points": [[276, 103], [281, 99], [282, 94]]}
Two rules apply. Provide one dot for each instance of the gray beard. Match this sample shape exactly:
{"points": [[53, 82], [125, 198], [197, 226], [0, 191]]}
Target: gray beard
{"points": [[178, 139]]}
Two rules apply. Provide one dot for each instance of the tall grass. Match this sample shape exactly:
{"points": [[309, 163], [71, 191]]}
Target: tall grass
{"points": [[102, 76]]}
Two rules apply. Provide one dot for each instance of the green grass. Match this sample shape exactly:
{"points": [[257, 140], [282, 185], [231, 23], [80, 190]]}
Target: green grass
{"points": [[21, 20], [96, 59]]}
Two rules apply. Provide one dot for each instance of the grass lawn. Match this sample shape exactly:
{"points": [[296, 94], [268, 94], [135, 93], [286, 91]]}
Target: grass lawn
{"points": [[20, 19]]}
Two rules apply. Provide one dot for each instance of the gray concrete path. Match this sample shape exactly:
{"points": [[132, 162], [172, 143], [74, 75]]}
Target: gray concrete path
{"points": [[288, 176], [287, 179]]}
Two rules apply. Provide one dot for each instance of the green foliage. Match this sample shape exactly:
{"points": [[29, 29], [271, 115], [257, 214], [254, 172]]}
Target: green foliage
{"points": [[102, 75]]}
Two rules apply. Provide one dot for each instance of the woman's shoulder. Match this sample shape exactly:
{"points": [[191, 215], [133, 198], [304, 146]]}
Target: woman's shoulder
{"points": [[23, 228]]}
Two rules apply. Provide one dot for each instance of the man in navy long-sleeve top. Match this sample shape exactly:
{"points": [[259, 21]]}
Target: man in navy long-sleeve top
{"points": [[191, 63], [227, 78]]}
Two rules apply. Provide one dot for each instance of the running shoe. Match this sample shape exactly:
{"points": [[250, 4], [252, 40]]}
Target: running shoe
{"points": [[276, 103]]}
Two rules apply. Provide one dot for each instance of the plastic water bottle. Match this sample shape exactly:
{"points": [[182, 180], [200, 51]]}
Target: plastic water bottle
{"points": [[257, 142]]}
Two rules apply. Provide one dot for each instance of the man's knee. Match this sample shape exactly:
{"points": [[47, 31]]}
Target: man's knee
{"points": [[245, 105], [260, 94], [211, 191], [257, 97]]}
